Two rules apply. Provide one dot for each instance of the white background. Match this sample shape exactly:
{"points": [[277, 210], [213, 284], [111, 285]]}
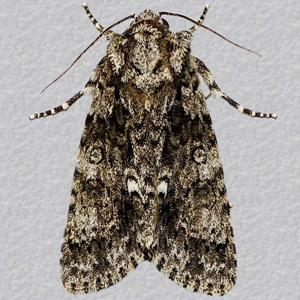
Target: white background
{"points": [[39, 39]]}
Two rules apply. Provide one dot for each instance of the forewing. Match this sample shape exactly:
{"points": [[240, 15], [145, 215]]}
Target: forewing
{"points": [[99, 245], [196, 245]]}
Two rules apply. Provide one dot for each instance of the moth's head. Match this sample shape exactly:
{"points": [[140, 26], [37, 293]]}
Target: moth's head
{"points": [[153, 17], [148, 21]]}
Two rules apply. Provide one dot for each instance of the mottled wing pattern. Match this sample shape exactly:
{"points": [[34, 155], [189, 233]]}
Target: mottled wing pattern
{"points": [[196, 245], [100, 245], [148, 183]]}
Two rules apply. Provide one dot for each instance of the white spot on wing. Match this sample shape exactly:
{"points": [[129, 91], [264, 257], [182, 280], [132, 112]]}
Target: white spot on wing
{"points": [[162, 188], [132, 186]]}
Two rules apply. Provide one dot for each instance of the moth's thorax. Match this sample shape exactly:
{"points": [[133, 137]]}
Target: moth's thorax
{"points": [[148, 54]]}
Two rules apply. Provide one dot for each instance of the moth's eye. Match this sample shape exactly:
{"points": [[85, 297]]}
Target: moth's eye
{"points": [[165, 23]]}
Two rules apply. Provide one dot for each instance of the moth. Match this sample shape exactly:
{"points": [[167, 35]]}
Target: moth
{"points": [[148, 182]]}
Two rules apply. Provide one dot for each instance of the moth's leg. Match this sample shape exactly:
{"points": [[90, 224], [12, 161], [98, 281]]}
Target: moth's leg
{"points": [[60, 108], [216, 92], [207, 6], [207, 96], [108, 34], [94, 21]]}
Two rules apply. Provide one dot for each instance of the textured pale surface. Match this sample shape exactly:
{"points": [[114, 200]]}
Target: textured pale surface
{"points": [[260, 157]]}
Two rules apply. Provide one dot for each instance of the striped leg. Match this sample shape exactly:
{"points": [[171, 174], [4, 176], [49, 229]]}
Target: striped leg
{"points": [[216, 92], [207, 6], [94, 21], [58, 109], [108, 34]]}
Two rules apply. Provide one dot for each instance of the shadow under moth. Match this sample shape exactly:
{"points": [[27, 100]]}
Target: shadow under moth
{"points": [[148, 182]]}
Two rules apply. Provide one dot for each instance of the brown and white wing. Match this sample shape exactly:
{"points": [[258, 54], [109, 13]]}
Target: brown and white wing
{"points": [[99, 245], [196, 245]]}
